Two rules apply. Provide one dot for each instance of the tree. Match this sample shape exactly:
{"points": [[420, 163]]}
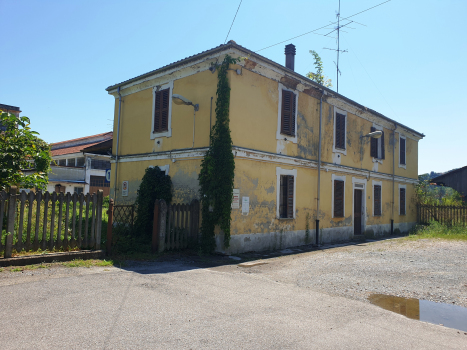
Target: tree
{"points": [[24, 157], [318, 76], [426, 193]]}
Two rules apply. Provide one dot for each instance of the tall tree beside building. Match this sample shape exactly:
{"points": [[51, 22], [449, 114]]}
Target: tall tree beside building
{"points": [[24, 157]]}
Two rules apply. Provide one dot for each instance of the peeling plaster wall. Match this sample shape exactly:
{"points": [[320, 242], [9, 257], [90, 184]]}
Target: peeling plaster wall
{"points": [[136, 116], [184, 174]]}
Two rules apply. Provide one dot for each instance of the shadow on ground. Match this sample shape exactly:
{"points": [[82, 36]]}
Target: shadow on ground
{"points": [[178, 261]]}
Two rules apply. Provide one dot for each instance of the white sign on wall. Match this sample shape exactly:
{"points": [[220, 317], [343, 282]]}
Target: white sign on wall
{"points": [[245, 205], [124, 188], [236, 199]]}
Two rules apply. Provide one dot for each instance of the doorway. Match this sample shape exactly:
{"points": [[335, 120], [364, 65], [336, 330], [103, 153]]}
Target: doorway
{"points": [[358, 194]]}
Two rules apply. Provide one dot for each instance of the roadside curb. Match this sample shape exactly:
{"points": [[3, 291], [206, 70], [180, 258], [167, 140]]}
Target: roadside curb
{"points": [[52, 257]]}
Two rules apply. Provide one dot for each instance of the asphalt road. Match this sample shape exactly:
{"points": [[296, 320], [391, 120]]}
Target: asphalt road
{"points": [[174, 305]]}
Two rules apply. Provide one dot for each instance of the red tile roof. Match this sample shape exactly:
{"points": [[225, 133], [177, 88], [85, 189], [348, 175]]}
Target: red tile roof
{"points": [[108, 134], [69, 150], [76, 145]]}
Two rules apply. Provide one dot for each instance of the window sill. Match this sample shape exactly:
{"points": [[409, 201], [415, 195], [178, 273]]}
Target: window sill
{"points": [[339, 150], [403, 166], [285, 218], [157, 134], [378, 160]]}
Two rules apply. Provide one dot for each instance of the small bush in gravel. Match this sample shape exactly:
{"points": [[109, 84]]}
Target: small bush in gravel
{"points": [[437, 230]]}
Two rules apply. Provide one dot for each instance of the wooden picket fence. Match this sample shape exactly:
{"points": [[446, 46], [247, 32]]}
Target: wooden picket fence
{"points": [[49, 221], [446, 215], [176, 226]]}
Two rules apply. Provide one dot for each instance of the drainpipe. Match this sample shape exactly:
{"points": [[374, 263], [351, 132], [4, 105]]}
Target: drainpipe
{"points": [[319, 167], [118, 135], [393, 175]]}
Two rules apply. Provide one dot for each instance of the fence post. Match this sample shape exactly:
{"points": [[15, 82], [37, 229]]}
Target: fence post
{"points": [[110, 213], [11, 223], [162, 225], [100, 200], [155, 228]]}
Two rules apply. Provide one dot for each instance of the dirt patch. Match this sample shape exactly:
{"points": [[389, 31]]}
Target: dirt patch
{"points": [[433, 270]]}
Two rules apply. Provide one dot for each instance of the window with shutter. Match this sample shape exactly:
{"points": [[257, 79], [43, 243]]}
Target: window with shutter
{"points": [[289, 102], [377, 146], [402, 200], [161, 110], [338, 198], [402, 151], [340, 131], [286, 209], [377, 200]]}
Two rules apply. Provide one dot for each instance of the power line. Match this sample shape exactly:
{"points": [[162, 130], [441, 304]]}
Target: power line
{"points": [[312, 31], [233, 22]]}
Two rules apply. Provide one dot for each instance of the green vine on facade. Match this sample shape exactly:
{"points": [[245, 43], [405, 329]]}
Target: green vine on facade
{"points": [[216, 178]]}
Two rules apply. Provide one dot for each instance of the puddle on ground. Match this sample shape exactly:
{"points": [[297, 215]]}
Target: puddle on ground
{"points": [[452, 316]]}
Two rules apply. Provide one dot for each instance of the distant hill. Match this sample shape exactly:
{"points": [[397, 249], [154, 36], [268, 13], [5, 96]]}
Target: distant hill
{"points": [[429, 176]]}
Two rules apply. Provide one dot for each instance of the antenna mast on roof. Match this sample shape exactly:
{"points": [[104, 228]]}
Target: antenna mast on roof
{"points": [[338, 15]]}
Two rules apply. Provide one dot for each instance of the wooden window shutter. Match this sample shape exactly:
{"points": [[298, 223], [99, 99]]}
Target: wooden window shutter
{"points": [[161, 111], [340, 131], [288, 113], [338, 198], [383, 156], [377, 200], [373, 145], [402, 151], [290, 194], [402, 201]]}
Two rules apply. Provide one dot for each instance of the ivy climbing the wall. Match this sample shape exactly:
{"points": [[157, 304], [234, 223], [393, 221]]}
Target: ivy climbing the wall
{"points": [[216, 178], [154, 185]]}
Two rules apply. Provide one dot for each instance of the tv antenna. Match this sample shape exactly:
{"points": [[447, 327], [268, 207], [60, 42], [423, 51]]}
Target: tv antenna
{"points": [[338, 29]]}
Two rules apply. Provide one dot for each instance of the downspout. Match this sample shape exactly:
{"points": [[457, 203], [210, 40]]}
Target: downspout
{"points": [[393, 175], [319, 168], [118, 135]]}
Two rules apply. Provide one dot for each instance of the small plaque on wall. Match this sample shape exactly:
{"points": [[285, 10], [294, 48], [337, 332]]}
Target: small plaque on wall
{"points": [[245, 205], [124, 188], [236, 199]]}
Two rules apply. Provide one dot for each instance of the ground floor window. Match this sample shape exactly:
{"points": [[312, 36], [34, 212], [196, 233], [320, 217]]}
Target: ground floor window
{"points": [[338, 198], [377, 200], [286, 197], [78, 190], [285, 192], [98, 181], [402, 201]]}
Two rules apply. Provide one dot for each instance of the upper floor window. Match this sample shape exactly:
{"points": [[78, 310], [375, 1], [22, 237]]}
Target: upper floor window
{"points": [[71, 162], [289, 106], [80, 161], [402, 142], [100, 164], [162, 111], [287, 114], [62, 162], [340, 131], [377, 145]]}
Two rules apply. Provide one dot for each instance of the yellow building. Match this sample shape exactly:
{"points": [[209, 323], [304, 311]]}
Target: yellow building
{"points": [[289, 177]]}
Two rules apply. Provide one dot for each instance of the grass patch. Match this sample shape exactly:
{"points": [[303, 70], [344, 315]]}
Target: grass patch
{"points": [[73, 263], [437, 230]]}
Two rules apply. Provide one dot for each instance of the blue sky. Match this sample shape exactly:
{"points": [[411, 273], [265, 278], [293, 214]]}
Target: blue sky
{"points": [[407, 62]]}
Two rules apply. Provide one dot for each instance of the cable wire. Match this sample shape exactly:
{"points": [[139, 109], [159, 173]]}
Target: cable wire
{"points": [[233, 21], [298, 36]]}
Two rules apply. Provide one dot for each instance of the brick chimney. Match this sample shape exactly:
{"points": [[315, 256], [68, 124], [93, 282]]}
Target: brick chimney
{"points": [[290, 56]]}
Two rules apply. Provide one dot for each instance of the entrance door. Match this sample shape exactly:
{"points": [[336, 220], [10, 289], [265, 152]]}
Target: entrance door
{"points": [[357, 205]]}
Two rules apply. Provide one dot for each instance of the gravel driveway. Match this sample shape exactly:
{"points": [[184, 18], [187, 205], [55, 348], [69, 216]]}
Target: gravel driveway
{"points": [[434, 270]]}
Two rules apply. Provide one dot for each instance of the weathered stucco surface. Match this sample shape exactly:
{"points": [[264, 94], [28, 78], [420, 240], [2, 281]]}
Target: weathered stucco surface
{"points": [[254, 113]]}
